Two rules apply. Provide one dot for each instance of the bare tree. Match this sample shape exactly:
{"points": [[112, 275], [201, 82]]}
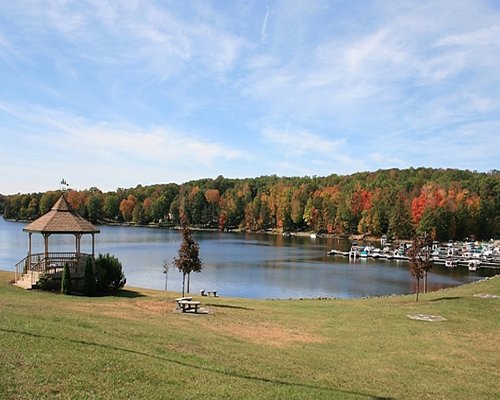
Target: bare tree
{"points": [[166, 267]]}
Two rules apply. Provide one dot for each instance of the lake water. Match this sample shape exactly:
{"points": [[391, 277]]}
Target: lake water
{"points": [[240, 264]]}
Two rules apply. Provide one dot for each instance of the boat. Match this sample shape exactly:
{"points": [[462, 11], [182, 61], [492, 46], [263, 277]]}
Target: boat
{"points": [[334, 252], [364, 253], [474, 265], [451, 263], [355, 251]]}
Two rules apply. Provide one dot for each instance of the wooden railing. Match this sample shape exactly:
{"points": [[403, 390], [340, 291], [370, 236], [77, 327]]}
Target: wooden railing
{"points": [[38, 264]]}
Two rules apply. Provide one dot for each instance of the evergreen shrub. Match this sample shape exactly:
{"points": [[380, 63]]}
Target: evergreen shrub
{"points": [[89, 280], [109, 274], [66, 285]]}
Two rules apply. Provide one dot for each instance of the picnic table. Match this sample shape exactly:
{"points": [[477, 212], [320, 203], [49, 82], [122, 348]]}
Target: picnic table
{"points": [[189, 305], [186, 304]]}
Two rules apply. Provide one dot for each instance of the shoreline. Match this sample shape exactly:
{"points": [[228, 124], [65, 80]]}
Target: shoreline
{"points": [[274, 231], [140, 289]]}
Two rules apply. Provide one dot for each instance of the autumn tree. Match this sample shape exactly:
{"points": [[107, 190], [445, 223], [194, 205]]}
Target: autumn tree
{"points": [[188, 259], [453, 203], [127, 207], [77, 200], [212, 197], [420, 260]]}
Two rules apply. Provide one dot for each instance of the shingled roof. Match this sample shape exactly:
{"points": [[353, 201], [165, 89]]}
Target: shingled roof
{"points": [[61, 219]]}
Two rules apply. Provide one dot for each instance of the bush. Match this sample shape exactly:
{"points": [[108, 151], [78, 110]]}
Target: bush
{"points": [[46, 282], [66, 286], [89, 281], [109, 275]]}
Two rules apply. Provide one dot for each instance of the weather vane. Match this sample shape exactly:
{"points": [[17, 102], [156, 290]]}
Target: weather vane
{"points": [[64, 185]]}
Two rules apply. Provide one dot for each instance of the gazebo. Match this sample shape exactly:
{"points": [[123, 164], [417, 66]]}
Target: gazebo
{"points": [[60, 220]]}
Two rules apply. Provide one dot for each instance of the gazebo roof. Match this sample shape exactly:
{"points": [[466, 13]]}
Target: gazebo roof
{"points": [[61, 219]]}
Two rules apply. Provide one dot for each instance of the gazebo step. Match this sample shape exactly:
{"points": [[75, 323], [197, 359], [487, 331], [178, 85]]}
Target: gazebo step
{"points": [[24, 284], [26, 280]]}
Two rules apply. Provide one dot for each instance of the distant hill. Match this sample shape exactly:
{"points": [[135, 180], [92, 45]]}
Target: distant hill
{"points": [[446, 203]]}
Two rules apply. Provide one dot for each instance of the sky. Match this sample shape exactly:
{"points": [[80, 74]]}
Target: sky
{"points": [[113, 94]]}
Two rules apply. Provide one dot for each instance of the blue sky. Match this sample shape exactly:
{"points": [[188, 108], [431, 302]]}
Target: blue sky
{"points": [[119, 93]]}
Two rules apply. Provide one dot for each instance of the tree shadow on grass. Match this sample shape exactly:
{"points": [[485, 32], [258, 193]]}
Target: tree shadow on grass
{"points": [[228, 306], [222, 371], [125, 293], [447, 298]]}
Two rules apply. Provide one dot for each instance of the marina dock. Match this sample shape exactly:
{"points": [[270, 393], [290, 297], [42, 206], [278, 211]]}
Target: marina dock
{"points": [[468, 255]]}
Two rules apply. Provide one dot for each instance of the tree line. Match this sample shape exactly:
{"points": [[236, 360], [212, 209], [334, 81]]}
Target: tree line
{"points": [[446, 203]]}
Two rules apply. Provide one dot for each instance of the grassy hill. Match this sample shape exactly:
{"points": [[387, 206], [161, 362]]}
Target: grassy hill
{"points": [[135, 346]]}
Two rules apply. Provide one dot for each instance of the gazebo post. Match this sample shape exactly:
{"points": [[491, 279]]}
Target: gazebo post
{"points": [[78, 236], [46, 245], [29, 250], [93, 245]]}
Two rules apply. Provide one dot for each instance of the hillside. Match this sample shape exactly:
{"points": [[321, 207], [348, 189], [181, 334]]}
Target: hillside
{"points": [[447, 204], [135, 346]]}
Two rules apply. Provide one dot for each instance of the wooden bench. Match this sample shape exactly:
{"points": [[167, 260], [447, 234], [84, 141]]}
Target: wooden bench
{"points": [[204, 292], [189, 305]]}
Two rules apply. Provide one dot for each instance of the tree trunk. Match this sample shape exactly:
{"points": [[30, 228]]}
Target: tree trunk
{"points": [[425, 282], [183, 283], [189, 278], [418, 288]]}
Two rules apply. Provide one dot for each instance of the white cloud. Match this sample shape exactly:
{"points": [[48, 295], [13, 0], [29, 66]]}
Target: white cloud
{"points": [[301, 142], [128, 33], [488, 36], [177, 75], [263, 36], [162, 145]]}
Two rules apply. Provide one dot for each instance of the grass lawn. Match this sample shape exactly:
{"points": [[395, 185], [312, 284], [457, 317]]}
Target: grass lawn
{"points": [[135, 346]]}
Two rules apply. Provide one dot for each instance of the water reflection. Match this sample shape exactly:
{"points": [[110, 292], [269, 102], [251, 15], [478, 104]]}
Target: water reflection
{"points": [[241, 265]]}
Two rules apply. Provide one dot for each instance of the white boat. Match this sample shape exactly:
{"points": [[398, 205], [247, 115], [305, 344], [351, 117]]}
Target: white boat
{"points": [[451, 263], [474, 265], [355, 251]]}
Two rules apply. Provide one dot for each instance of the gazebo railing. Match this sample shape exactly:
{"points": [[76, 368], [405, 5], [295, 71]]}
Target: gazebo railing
{"points": [[39, 264]]}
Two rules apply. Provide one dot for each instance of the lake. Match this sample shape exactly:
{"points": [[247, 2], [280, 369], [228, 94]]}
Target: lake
{"points": [[250, 265]]}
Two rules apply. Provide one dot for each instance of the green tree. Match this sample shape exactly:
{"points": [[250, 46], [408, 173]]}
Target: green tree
{"points": [[94, 206], [400, 224], [188, 259], [66, 284], [47, 200], [138, 213], [111, 207]]}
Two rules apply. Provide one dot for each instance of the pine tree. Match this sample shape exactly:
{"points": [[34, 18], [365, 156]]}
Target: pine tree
{"points": [[89, 282], [66, 285]]}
